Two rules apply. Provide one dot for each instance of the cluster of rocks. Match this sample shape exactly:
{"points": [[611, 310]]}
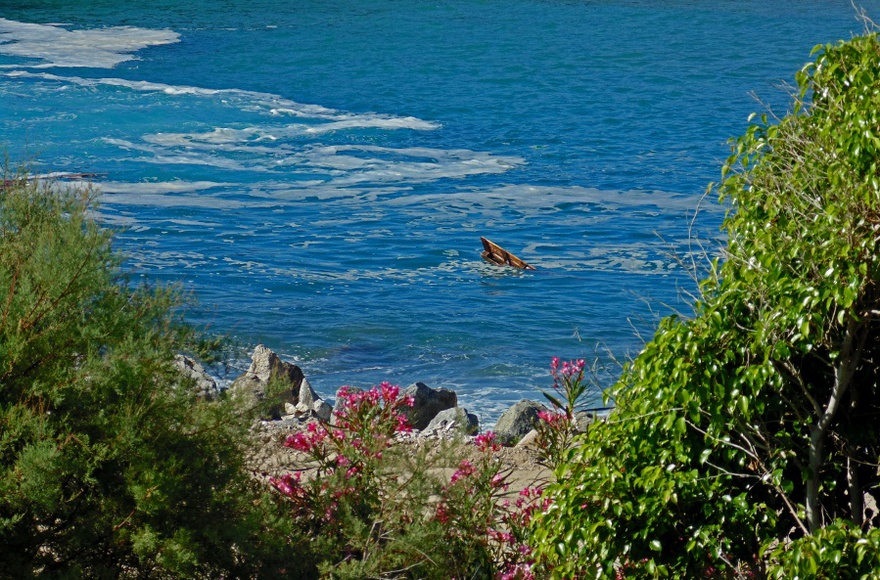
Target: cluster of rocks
{"points": [[279, 388], [286, 399], [196, 378]]}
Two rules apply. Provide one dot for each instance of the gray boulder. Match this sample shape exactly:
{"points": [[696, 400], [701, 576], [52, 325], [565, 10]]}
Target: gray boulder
{"points": [[583, 420], [271, 382], [322, 410], [456, 419], [517, 421], [306, 397], [427, 402], [202, 384], [529, 440], [309, 405]]}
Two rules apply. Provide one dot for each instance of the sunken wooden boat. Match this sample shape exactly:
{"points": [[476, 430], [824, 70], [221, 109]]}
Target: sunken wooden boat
{"points": [[495, 254]]}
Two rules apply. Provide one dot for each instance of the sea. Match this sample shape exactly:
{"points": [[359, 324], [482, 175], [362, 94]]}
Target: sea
{"points": [[317, 174]]}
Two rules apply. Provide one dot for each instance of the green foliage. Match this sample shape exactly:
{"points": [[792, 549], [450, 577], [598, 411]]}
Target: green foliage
{"points": [[108, 466], [838, 550], [752, 424]]}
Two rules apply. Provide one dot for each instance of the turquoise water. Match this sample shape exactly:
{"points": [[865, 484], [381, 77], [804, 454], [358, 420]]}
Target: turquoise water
{"points": [[319, 173]]}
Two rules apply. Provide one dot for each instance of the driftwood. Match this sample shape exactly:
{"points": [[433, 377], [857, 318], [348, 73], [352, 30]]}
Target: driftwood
{"points": [[495, 254]]}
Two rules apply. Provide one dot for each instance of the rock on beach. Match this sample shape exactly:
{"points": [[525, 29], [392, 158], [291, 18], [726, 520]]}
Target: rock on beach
{"points": [[280, 384], [517, 421], [427, 402]]}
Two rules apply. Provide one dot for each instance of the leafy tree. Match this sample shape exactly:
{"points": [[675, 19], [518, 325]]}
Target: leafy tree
{"points": [[745, 436], [109, 466]]}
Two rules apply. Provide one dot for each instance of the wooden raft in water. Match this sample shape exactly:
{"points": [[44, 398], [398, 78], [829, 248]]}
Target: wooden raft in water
{"points": [[497, 255]]}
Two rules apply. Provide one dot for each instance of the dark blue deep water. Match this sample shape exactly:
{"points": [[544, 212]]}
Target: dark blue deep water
{"points": [[319, 173]]}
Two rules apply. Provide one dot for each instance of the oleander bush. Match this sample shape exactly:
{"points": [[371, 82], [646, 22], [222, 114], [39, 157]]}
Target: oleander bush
{"points": [[380, 509]]}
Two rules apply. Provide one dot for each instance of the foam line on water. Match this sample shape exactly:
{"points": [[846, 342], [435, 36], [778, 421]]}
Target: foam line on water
{"points": [[160, 187], [251, 101], [55, 46], [341, 166], [415, 164], [166, 156]]}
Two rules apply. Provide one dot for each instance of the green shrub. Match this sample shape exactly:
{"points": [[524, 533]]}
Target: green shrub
{"points": [[839, 550], [109, 466], [753, 424]]}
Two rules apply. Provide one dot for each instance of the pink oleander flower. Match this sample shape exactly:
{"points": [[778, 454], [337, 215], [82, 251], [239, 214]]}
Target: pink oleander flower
{"points": [[503, 537], [286, 484], [299, 442], [518, 572], [546, 416], [487, 441], [571, 371], [389, 392], [403, 425], [441, 514], [498, 480], [551, 417], [465, 469]]}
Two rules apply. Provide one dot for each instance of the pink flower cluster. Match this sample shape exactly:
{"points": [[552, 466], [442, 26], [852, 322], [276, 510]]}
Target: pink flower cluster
{"points": [[287, 484], [556, 419], [517, 555], [487, 441], [365, 422], [474, 510], [465, 469], [345, 455], [478, 513], [556, 428], [570, 371], [379, 402]]}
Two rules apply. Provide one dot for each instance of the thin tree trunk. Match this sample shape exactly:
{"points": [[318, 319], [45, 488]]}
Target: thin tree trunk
{"points": [[850, 355], [856, 501]]}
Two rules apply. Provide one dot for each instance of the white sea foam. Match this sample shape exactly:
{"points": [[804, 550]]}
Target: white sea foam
{"points": [[160, 187], [325, 119], [55, 46], [291, 148], [414, 164], [385, 123], [250, 100], [341, 166], [170, 156], [202, 201]]}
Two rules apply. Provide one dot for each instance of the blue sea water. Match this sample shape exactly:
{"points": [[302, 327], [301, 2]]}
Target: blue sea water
{"points": [[319, 173]]}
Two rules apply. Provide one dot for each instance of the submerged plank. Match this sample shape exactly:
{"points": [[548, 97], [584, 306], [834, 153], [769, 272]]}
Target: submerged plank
{"points": [[495, 254]]}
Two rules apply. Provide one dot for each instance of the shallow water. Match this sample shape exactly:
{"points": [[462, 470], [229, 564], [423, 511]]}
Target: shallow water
{"points": [[319, 174]]}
